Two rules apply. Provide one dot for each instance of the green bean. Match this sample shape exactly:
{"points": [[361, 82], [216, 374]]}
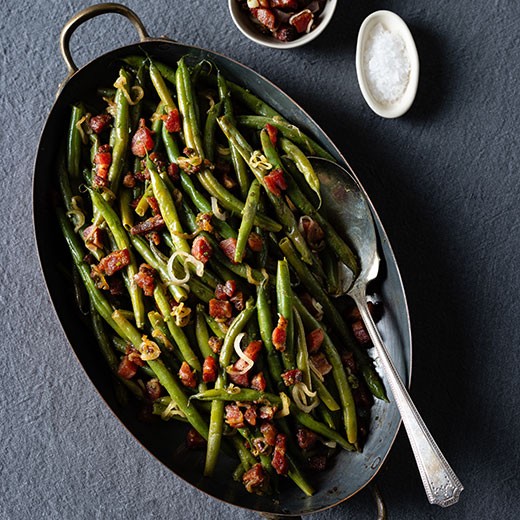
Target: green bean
{"points": [[240, 395], [122, 346], [231, 203], [188, 219], [74, 141], [224, 273], [193, 140], [135, 61], [217, 408], [66, 190], [321, 429], [177, 333], [136, 108], [157, 127], [165, 377], [170, 145], [238, 162], [284, 214], [201, 331], [167, 207], [251, 101], [285, 309], [161, 334], [302, 354], [209, 130], [335, 242], [187, 108], [200, 290], [238, 473], [221, 395], [122, 242], [338, 373], [243, 270], [166, 71], [287, 130], [127, 217], [326, 416], [246, 458], [139, 243], [94, 146], [311, 283], [108, 353], [121, 132], [364, 363], [204, 206], [248, 215], [142, 206], [266, 329], [330, 266], [303, 164], [297, 476], [265, 460], [325, 396], [161, 88], [98, 300], [171, 356], [218, 329]]}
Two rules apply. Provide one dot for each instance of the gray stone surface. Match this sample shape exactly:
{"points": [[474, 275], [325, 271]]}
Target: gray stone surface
{"points": [[444, 179]]}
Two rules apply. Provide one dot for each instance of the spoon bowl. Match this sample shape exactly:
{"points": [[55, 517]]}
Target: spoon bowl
{"points": [[343, 197]]}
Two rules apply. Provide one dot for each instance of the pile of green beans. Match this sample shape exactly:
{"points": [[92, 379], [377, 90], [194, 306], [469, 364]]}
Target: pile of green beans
{"points": [[208, 180]]}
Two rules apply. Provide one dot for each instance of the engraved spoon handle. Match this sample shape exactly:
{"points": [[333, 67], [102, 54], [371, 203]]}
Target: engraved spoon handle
{"points": [[440, 482]]}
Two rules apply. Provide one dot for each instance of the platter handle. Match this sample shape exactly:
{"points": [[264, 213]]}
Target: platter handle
{"points": [[89, 13]]}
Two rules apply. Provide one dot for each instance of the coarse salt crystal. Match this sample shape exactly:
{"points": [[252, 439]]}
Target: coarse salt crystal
{"points": [[386, 63]]}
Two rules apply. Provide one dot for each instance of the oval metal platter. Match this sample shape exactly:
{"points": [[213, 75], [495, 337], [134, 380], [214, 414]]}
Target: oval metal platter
{"points": [[350, 472]]}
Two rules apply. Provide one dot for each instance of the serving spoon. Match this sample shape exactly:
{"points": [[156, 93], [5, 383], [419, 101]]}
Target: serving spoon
{"points": [[342, 195]]}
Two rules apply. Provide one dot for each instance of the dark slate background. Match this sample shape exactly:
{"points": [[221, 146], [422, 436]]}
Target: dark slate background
{"points": [[444, 179]]}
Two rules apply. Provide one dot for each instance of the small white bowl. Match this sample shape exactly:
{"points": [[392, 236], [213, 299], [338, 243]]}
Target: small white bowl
{"points": [[247, 27], [393, 23]]}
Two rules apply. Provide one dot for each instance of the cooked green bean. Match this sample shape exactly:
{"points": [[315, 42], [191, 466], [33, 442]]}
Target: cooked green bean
{"points": [[302, 353], [287, 130], [161, 88], [285, 309], [283, 212], [238, 162], [338, 373], [165, 377], [303, 164], [193, 139], [204, 206], [123, 242], [177, 333], [216, 424], [221, 395], [167, 206], [266, 329], [139, 243], [74, 141], [209, 130], [336, 243], [121, 130], [77, 251], [248, 216], [201, 330]]}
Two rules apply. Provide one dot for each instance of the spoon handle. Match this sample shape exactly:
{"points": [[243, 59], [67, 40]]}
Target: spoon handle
{"points": [[440, 482]]}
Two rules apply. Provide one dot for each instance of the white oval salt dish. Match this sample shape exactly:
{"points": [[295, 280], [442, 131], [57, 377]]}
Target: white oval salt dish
{"points": [[387, 64]]}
